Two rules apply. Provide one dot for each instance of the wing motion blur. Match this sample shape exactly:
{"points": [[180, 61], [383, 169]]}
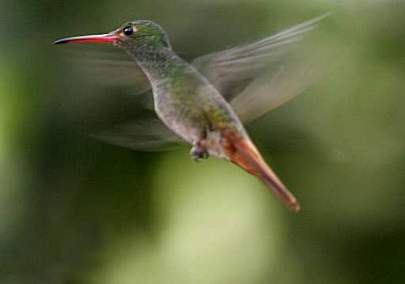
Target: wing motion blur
{"points": [[149, 135], [107, 66], [258, 77]]}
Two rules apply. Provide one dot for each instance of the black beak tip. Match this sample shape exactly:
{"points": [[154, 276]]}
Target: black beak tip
{"points": [[60, 41]]}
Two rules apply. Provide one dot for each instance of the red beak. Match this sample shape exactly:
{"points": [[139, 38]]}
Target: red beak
{"points": [[111, 37]]}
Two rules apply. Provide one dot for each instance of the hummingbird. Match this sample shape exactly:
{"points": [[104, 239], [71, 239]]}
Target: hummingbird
{"points": [[189, 98]]}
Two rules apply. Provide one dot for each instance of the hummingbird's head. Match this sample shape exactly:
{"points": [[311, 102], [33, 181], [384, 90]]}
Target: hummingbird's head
{"points": [[141, 33]]}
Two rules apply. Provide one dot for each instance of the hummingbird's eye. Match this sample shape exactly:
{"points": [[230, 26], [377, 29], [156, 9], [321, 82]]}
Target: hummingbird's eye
{"points": [[128, 30]]}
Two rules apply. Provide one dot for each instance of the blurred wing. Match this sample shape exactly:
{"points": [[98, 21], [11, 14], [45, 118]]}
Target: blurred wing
{"points": [[108, 66], [141, 135], [270, 91], [110, 70], [238, 72]]}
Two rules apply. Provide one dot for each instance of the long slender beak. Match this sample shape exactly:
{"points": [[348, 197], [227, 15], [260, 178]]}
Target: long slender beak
{"points": [[111, 37]]}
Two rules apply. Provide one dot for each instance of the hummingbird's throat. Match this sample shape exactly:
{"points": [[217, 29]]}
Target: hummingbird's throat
{"points": [[156, 62]]}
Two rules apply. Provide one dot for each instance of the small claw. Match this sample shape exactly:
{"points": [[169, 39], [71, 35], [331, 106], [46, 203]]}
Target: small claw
{"points": [[198, 153]]}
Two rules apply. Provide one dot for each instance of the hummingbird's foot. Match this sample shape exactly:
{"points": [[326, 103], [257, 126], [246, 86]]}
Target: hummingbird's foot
{"points": [[198, 152]]}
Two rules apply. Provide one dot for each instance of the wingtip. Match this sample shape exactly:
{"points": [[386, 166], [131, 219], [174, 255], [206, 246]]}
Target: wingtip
{"points": [[319, 18], [325, 15]]}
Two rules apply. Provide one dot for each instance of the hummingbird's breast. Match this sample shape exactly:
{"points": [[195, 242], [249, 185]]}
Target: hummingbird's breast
{"points": [[177, 105]]}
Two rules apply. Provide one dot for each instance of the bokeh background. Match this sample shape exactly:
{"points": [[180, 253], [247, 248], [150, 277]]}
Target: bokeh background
{"points": [[74, 210]]}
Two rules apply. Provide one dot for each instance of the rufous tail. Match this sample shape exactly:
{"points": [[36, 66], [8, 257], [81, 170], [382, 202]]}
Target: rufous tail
{"points": [[242, 152]]}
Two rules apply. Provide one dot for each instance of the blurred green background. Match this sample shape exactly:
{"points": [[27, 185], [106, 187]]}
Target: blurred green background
{"points": [[74, 210]]}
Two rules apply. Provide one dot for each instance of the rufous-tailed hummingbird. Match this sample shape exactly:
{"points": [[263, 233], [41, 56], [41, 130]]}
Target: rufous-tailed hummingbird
{"points": [[188, 97]]}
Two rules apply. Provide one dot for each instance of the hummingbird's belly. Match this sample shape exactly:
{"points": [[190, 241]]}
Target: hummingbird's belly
{"points": [[193, 130], [182, 118]]}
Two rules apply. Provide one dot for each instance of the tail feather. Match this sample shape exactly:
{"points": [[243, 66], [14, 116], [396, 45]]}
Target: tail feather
{"points": [[243, 153]]}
